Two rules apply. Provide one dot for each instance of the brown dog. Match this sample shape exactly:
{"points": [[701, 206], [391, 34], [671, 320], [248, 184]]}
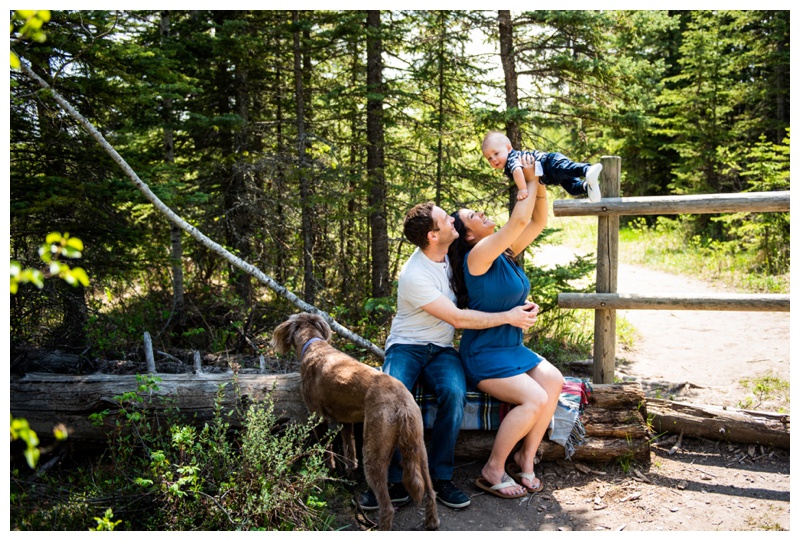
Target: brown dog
{"points": [[345, 391]]}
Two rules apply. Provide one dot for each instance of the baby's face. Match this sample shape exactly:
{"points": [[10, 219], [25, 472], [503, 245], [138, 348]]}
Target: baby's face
{"points": [[496, 153]]}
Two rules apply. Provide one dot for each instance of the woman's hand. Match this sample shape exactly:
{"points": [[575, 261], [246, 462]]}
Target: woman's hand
{"points": [[527, 161]]}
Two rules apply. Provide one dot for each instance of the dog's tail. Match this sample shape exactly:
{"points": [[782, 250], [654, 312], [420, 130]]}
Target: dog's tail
{"points": [[416, 477]]}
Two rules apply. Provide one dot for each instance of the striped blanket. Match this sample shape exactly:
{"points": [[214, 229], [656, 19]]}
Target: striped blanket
{"points": [[482, 412]]}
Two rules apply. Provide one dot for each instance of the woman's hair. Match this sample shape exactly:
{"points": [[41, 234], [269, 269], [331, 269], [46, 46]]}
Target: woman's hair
{"points": [[457, 253]]}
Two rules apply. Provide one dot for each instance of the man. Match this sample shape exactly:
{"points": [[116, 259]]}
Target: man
{"points": [[420, 344]]}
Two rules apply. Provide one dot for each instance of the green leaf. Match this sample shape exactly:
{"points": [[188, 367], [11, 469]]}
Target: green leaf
{"points": [[76, 243], [72, 253], [37, 278], [53, 237]]}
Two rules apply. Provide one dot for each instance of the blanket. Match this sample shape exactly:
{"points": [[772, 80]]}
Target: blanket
{"points": [[483, 412]]}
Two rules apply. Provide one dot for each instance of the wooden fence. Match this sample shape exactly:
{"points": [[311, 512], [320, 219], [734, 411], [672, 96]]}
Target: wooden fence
{"points": [[606, 301]]}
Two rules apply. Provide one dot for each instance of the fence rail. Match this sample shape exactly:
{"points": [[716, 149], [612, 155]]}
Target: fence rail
{"points": [[731, 302], [676, 204], [606, 301]]}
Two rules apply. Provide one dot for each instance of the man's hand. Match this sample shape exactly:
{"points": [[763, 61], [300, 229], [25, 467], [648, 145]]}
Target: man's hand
{"points": [[523, 316]]}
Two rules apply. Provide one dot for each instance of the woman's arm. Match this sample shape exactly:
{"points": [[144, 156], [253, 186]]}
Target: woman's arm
{"points": [[537, 223], [489, 248]]}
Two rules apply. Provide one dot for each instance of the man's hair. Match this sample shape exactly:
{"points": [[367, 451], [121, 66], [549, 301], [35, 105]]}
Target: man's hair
{"points": [[493, 136], [418, 222]]}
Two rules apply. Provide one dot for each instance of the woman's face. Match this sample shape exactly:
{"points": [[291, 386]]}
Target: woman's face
{"points": [[476, 224]]}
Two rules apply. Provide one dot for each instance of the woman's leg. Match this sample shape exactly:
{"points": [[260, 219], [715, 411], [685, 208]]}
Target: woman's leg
{"points": [[530, 398], [550, 380]]}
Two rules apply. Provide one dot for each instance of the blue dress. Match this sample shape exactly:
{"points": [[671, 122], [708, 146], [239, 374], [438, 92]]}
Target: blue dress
{"points": [[496, 352]]}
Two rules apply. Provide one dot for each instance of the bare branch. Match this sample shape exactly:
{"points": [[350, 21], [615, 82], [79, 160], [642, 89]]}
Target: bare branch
{"points": [[191, 230]]}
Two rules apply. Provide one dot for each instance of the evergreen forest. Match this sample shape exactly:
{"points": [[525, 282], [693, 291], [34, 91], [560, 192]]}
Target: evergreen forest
{"points": [[298, 140]]}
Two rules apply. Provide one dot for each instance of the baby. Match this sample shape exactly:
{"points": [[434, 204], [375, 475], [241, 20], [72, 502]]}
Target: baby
{"points": [[551, 168]]}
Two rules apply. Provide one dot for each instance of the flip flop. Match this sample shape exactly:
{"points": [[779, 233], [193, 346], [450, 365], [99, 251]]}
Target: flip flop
{"points": [[494, 490], [517, 475]]}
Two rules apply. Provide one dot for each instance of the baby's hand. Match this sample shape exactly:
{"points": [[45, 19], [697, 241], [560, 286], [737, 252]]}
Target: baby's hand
{"points": [[522, 194]]}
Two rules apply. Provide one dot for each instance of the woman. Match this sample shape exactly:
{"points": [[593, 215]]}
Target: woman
{"points": [[485, 277]]}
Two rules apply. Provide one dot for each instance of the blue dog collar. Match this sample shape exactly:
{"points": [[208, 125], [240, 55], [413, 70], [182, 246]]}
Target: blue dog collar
{"points": [[305, 346]]}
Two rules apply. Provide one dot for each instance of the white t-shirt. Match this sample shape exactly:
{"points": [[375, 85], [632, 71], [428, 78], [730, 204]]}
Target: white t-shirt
{"points": [[421, 281]]}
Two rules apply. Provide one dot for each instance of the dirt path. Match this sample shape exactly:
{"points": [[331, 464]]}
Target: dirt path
{"points": [[706, 485], [695, 355]]}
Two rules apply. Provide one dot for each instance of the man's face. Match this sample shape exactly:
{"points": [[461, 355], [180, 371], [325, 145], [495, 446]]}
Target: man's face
{"points": [[445, 232]]}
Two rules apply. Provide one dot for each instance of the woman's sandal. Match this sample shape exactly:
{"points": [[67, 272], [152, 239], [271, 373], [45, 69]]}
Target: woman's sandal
{"points": [[517, 475], [494, 490]]}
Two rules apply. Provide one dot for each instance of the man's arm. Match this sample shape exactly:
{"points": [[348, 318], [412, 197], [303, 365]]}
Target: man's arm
{"points": [[520, 316]]}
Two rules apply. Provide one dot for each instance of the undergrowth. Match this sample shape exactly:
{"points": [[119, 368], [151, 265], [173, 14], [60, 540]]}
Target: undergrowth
{"points": [[159, 473]]}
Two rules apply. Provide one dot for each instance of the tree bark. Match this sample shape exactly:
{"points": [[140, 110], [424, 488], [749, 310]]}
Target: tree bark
{"points": [[193, 231], [509, 74], [176, 247], [381, 287], [717, 423], [506, 29], [310, 282]]}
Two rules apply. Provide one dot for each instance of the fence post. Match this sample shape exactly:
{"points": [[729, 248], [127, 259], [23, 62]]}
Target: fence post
{"points": [[605, 321]]}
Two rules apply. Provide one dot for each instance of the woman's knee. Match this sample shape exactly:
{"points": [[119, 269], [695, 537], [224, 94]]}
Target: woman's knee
{"points": [[548, 376]]}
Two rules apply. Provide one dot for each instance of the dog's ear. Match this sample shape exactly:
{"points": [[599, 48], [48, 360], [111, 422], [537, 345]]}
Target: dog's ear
{"points": [[323, 328], [282, 336]]}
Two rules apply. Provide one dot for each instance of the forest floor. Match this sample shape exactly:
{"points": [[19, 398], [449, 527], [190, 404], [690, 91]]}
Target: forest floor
{"points": [[701, 357]]}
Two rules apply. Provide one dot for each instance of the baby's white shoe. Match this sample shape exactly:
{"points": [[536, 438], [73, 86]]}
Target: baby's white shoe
{"points": [[592, 184]]}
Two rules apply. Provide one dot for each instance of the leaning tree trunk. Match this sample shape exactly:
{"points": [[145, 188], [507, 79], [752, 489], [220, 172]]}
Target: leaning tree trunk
{"points": [[193, 231]]}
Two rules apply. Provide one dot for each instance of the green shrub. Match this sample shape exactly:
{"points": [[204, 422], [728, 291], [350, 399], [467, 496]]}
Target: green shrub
{"points": [[160, 473]]}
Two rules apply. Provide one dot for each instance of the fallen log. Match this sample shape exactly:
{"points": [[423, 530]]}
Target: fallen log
{"points": [[718, 423], [615, 420], [46, 400], [477, 444], [614, 426]]}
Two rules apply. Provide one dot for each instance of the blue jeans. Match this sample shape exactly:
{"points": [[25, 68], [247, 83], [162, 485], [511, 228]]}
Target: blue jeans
{"points": [[442, 373], [558, 169]]}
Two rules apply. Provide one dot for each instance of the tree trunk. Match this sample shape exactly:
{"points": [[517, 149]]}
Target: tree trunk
{"points": [[509, 74], [440, 108], [298, 49], [506, 28], [381, 287], [176, 247]]}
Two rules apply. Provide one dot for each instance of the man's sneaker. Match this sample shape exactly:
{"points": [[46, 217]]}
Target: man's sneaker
{"points": [[397, 493], [450, 495], [592, 184]]}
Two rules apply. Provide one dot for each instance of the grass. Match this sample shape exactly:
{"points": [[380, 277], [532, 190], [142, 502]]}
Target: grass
{"points": [[665, 248], [764, 389]]}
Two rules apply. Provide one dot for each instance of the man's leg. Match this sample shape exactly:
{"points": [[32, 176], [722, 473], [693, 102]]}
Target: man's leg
{"points": [[444, 374]]}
